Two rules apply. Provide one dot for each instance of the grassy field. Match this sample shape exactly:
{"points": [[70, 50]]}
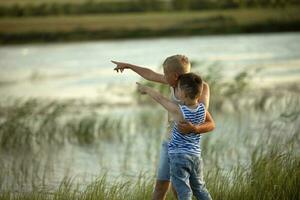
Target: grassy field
{"points": [[111, 26], [253, 153], [146, 20], [271, 172], [273, 176], [37, 2]]}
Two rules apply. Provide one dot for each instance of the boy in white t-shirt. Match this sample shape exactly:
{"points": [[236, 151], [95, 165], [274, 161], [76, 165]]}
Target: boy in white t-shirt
{"points": [[173, 66]]}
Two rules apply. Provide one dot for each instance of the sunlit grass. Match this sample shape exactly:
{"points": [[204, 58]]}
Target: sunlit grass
{"points": [[147, 21], [272, 175], [34, 2], [252, 154], [140, 25], [29, 123]]}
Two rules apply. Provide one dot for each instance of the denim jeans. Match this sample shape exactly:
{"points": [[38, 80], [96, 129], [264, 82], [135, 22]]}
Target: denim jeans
{"points": [[187, 176], [163, 171]]}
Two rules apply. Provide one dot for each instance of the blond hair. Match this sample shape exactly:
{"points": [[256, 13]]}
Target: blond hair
{"points": [[177, 63]]}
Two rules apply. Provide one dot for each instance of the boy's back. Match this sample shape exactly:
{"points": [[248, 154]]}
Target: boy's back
{"points": [[188, 143]]}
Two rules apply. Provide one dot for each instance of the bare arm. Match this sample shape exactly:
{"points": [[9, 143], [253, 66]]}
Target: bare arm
{"points": [[165, 102], [207, 126], [189, 127], [204, 98], [146, 73]]}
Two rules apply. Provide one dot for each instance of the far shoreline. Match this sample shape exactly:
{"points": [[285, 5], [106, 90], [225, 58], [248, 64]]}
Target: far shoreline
{"points": [[70, 37], [147, 26]]}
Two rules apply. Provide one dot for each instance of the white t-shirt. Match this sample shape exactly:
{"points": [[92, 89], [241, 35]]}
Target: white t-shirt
{"points": [[170, 118]]}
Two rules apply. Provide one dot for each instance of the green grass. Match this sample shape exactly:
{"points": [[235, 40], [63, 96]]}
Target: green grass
{"points": [[273, 175], [38, 2], [109, 26], [253, 153], [32, 122], [144, 20]]}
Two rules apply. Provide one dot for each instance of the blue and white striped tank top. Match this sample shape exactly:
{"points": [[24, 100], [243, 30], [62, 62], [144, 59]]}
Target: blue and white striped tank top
{"points": [[188, 143]]}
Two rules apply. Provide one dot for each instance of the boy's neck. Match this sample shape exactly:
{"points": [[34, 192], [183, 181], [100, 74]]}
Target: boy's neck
{"points": [[192, 103]]}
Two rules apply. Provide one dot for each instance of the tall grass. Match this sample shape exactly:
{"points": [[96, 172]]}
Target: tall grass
{"points": [[252, 154], [273, 175], [30, 123]]}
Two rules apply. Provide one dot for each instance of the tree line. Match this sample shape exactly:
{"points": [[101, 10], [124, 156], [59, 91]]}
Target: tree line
{"points": [[94, 7]]}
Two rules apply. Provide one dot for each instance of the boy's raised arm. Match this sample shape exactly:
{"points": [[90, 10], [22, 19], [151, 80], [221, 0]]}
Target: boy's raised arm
{"points": [[146, 73], [165, 102], [204, 98]]}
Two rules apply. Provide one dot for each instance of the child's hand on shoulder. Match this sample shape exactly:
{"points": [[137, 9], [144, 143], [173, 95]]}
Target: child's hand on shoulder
{"points": [[141, 88], [121, 66]]}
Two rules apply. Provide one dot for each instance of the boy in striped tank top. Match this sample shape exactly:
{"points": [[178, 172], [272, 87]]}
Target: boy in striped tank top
{"points": [[184, 149], [173, 67]]}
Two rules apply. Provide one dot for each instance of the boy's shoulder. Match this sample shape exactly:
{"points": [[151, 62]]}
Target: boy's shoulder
{"points": [[199, 107], [202, 105]]}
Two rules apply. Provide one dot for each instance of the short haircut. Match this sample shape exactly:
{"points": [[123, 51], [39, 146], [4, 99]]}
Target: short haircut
{"points": [[191, 84], [177, 63]]}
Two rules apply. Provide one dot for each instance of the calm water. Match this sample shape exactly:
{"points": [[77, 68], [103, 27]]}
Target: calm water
{"points": [[83, 70]]}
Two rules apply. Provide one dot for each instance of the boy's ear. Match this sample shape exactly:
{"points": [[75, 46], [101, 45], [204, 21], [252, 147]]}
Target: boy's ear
{"points": [[176, 76], [185, 95]]}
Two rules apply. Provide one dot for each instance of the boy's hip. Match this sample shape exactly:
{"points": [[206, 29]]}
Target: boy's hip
{"points": [[185, 158], [186, 165], [180, 151]]}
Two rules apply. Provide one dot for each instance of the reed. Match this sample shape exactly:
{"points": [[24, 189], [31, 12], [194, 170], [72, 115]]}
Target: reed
{"points": [[272, 175], [252, 154]]}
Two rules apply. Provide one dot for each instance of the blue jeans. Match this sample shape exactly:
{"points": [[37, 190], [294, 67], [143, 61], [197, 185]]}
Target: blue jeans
{"points": [[187, 176], [163, 171]]}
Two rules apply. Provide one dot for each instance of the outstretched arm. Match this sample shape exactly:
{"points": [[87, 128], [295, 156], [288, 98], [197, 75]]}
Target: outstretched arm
{"points": [[165, 102], [207, 126], [146, 73]]}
